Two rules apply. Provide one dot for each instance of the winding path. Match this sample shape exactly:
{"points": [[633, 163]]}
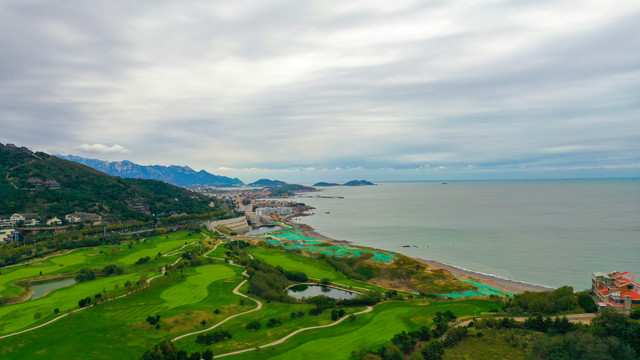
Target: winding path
{"points": [[287, 337], [237, 292]]}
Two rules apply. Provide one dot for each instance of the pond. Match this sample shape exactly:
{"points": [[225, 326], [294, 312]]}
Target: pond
{"points": [[261, 230], [41, 289], [306, 291]]}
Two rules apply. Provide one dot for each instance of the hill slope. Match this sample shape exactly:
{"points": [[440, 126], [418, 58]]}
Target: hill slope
{"points": [[82, 188], [268, 183], [176, 175]]}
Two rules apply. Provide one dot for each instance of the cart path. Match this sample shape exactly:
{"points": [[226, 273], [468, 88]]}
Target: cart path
{"points": [[237, 292], [287, 337], [164, 270]]}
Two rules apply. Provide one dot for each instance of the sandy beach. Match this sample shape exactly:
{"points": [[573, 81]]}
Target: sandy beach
{"points": [[512, 286]]}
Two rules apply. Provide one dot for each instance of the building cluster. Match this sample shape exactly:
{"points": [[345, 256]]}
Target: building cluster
{"points": [[261, 212], [8, 232], [618, 290], [49, 184], [141, 208]]}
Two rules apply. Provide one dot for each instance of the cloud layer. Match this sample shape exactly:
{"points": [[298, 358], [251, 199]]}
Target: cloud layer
{"points": [[103, 149], [500, 87]]}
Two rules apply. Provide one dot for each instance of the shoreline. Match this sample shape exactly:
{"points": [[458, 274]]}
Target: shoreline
{"points": [[512, 286]]}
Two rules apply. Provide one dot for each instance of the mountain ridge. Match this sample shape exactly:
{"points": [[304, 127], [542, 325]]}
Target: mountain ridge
{"points": [[172, 174]]}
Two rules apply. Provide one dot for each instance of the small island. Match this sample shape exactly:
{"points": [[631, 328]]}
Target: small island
{"points": [[349, 183]]}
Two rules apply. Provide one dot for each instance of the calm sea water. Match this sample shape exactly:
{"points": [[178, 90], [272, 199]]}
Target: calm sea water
{"points": [[544, 232]]}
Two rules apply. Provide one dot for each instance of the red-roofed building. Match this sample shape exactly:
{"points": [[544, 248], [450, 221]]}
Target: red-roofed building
{"points": [[618, 290]]}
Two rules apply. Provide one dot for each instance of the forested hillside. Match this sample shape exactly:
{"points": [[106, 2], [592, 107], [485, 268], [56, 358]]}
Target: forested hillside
{"points": [[49, 186]]}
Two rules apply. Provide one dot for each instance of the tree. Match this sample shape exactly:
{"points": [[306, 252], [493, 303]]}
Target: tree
{"points": [[254, 325], [612, 321], [85, 275], [207, 355], [433, 350]]}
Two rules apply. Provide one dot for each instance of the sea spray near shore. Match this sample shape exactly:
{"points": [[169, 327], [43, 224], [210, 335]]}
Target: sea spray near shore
{"points": [[551, 233]]}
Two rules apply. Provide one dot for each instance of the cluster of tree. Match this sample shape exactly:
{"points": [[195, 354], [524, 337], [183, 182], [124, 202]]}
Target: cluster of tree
{"points": [[143, 260], [560, 300], [169, 351], [441, 322], [273, 322], [337, 314], [85, 275], [112, 269], [153, 320], [403, 344], [213, 337], [353, 267], [297, 314], [84, 302], [296, 276], [268, 282], [253, 325]]}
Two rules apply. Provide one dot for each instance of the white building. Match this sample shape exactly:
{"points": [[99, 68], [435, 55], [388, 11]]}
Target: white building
{"points": [[267, 211], [31, 222], [15, 218], [54, 221], [8, 235]]}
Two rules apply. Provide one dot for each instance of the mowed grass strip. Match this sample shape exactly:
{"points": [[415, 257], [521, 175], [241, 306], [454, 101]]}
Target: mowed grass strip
{"points": [[19, 316], [194, 288], [314, 268], [158, 244]]}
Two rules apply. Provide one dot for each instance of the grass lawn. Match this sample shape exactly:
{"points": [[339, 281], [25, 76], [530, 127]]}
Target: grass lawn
{"points": [[369, 330], [314, 268], [194, 288], [118, 330], [159, 244], [19, 316], [97, 258]]}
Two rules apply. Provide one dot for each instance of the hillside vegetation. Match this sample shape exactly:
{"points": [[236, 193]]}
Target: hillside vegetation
{"points": [[84, 189]]}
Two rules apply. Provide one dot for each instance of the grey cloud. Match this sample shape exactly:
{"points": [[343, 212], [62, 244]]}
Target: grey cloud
{"points": [[324, 84]]}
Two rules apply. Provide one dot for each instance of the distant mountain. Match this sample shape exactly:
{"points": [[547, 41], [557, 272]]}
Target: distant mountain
{"points": [[268, 183], [358, 183], [322, 183], [350, 183], [176, 175], [50, 186]]}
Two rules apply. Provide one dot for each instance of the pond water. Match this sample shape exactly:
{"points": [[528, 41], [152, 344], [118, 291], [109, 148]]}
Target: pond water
{"points": [[41, 289], [306, 291], [261, 230]]}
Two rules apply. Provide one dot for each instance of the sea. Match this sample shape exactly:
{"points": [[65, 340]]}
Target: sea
{"points": [[549, 233]]}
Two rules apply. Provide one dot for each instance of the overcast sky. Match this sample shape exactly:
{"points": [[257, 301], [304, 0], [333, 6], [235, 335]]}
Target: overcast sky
{"points": [[329, 90]]}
